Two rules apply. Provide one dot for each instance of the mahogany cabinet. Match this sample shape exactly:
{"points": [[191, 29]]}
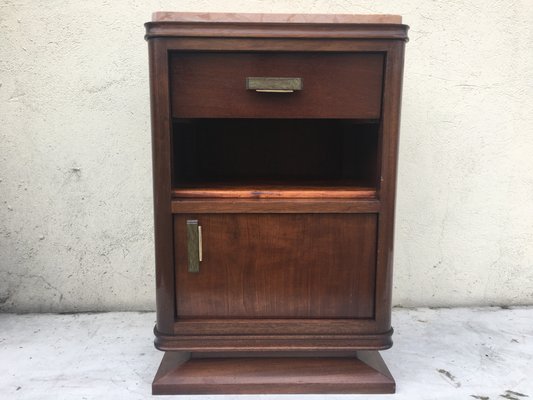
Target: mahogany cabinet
{"points": [[275, 142]]}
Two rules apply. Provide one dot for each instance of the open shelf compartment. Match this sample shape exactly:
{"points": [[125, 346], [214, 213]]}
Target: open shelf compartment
{"points": [[275, 158]]}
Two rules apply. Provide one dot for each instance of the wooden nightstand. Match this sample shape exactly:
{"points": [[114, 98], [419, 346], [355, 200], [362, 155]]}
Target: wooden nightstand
{"points": [[275, 143]]}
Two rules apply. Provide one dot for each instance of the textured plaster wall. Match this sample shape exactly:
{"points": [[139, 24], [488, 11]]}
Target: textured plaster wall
{"points": [[75, 181]]}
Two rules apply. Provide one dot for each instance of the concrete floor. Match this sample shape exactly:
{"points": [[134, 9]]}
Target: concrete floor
{"points": [[482, 353]]}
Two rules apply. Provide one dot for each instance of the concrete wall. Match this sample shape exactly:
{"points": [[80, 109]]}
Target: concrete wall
{"points": [[75, 181]]}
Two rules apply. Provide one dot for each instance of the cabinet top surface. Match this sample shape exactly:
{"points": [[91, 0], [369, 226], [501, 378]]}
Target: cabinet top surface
{"points": [[262, 26], [170, 16]]}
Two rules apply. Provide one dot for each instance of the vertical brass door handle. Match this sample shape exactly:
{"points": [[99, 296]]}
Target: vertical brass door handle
{"points": [[200, 255], [194, 245]]}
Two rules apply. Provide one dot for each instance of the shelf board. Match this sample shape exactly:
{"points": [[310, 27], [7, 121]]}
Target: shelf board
{"points": [[307, 190]]}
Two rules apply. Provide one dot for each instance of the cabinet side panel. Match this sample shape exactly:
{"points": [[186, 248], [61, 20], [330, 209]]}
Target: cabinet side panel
{"points": [[389, 145], [164, 258]]}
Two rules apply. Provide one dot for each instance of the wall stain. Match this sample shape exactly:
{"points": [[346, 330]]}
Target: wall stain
{"points": [[4, 298], [76, 171]]}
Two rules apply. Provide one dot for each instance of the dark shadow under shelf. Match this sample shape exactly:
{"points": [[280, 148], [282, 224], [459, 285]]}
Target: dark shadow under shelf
{"points": [[232, 158]]}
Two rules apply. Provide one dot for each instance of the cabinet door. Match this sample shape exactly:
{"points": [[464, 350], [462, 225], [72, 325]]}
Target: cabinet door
{"points": [[278, 266]]}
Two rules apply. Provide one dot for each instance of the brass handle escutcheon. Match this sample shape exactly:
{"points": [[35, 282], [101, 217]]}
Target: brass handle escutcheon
{"points": [[194, 245], [274, 85]]}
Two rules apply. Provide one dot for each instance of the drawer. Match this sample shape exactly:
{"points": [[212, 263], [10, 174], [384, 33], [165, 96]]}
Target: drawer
{"points": [[335, 85], [276, 266]]}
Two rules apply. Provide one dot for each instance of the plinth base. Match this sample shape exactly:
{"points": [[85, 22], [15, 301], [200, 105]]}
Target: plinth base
{"points": [[207, 373]]}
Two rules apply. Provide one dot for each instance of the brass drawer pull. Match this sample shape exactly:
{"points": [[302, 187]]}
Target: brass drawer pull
{"points": [[274, 85], [194, 245]]}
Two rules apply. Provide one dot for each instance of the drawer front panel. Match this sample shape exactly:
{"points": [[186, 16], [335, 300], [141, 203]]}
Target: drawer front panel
{"points": [[277, 266], [334, 85]]}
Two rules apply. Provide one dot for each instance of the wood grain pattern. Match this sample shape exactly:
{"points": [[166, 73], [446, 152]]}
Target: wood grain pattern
{"points": [[336, 85], [241, 375], [291, 266]]}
